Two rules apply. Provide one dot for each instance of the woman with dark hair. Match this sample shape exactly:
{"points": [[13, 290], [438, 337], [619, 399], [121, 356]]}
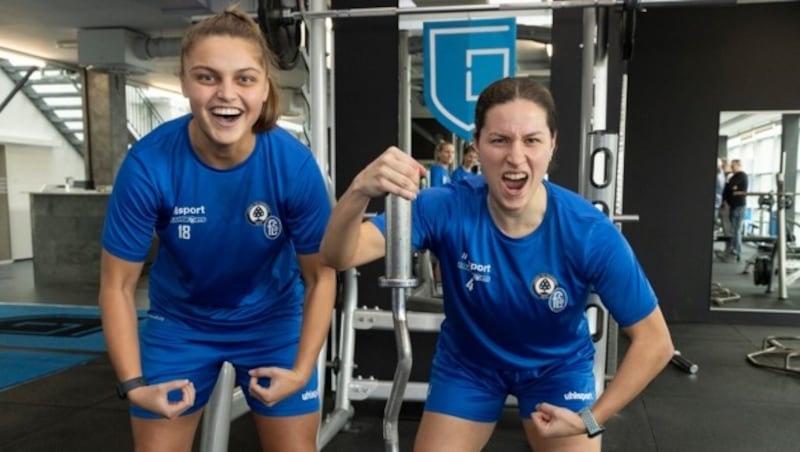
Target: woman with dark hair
{"points": [[519, 256]]}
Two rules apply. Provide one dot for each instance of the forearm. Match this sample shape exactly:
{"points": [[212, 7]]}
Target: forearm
{"points": [[342, 234], [644, 360], [121, 332], [317, 311]]}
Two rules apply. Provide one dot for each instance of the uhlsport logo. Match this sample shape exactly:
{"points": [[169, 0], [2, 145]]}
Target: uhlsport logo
{"points": [[189, 214], [582, 396], [478, 272], [310, 395]]}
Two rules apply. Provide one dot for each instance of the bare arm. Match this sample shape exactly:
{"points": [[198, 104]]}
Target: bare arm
{"points": [[320, 295], [118, 279], [348, 241], [649, 352]]}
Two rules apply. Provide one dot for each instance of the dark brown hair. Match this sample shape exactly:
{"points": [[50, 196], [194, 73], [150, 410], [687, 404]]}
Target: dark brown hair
{"points": [[512, 88], [235, 23]]}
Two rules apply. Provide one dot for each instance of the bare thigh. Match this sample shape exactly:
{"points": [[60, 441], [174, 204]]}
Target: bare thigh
{"points": [[165, 435], [443, 433], [288, 434], [576, 443]]}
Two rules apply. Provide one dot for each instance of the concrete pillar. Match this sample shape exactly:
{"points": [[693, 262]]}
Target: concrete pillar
{"points": [[5, 213], [105, 125], [722, 147]]}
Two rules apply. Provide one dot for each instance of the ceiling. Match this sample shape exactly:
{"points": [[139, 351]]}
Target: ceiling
{"points": [[48, 29]]}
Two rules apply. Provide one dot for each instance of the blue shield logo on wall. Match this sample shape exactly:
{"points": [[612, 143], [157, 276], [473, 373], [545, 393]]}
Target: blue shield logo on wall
{"points": [[460, 59]]}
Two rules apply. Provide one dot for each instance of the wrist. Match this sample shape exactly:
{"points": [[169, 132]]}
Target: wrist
{"points": [[593, 428], [124, 387]]}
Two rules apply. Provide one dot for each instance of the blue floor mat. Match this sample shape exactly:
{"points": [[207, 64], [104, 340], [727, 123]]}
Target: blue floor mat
{"points": [[74, 328], [20, 367]]}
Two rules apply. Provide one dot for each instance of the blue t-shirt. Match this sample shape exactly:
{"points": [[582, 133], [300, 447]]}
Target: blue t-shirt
{"points": [[228, 240], [460, 174], [439, 175], [518, 303]]}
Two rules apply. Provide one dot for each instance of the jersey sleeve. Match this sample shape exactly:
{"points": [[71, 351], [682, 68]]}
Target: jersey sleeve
{"points": [[309, 207], [132, 212], [617, 276]]}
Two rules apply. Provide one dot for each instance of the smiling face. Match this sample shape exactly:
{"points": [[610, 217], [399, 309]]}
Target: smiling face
{"points": [[227, 84], [515, 147]]}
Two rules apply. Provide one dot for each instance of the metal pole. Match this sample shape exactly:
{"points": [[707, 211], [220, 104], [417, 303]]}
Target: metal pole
{"points": [[404, 101], [587, 96], [399, 277], [511, 7], [318, 88], [783, 293]]}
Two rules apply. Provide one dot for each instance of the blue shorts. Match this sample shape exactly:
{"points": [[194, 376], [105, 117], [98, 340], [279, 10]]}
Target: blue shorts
{"points": [[169, 356], [475, 393]]}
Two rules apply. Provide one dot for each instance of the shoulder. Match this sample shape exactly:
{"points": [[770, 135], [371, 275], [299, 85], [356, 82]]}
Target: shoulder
{"points": [[569, 207], [281, 143]]}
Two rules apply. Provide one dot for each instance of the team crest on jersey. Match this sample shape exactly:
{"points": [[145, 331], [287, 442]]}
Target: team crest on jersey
{"points": [[257, 213], [543, 285], [272, 228], [558, 300]]}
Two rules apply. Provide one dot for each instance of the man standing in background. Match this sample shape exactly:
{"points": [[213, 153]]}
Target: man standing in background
{"points": [[734, 197]]}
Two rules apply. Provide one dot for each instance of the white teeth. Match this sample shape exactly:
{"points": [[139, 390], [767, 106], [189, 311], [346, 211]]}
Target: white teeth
{"points": [[225, 111], [515, 176]]}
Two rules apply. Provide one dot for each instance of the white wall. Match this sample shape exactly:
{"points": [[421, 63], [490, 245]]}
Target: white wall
{"points": [[36, 155]]}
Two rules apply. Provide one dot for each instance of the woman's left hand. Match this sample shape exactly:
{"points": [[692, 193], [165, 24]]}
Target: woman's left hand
{"points": [[552, 421], [283, 383]]}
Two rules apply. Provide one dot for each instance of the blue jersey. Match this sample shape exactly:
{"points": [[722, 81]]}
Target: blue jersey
{"points": [[460, 174], [518, 303], [228, 240], [438, 175]]}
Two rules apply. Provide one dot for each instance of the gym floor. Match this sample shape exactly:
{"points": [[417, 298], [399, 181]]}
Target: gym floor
{"points": [[727, 406]]}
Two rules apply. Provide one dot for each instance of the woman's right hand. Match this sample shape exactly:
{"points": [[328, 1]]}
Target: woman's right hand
{"points": [[393, 172], [155, 398]]}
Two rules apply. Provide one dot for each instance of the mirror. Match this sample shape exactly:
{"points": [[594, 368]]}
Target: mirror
{"points": [[761, 148]]}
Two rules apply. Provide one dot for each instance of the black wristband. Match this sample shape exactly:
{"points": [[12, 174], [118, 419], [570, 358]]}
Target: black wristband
{"points": [[123, 388]]}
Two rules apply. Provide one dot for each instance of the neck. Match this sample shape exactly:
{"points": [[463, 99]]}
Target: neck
{"points": [[520, 222], [220, 156]]}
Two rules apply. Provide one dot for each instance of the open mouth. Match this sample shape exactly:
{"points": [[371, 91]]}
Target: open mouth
{"points": [[514, 182], [227, 115]]}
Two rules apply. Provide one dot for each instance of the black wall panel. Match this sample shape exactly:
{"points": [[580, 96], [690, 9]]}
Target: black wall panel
{"points": [[689, 64]]}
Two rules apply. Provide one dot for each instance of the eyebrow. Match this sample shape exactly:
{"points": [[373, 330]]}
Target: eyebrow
{"points": [[210, 69]]}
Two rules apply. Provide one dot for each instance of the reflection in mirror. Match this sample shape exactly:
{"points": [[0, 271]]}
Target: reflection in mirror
{"points": [[756, 256]]}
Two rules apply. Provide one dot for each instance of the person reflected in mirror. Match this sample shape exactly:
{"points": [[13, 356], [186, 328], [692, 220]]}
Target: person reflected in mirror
{"points": [[519, 256], [719, 189], [469, 162], [734, 196], [239, 207]]}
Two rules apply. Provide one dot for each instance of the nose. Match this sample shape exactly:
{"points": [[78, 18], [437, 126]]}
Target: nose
{"points": [[516, 154], [226, 90]]}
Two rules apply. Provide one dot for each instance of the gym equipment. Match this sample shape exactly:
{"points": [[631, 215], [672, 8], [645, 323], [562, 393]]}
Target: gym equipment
{"points": [[684, 364], [772, 350], [721, 295], [283, 33]]}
